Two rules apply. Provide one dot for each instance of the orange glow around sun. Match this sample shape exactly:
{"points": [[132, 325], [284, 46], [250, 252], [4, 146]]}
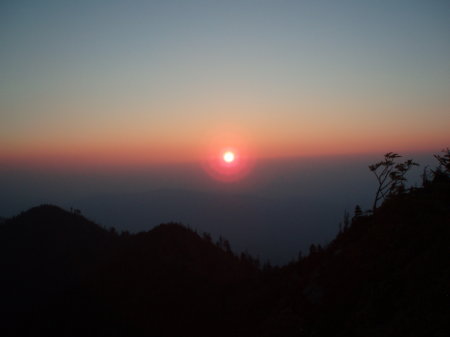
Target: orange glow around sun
{"points": [[228, 165], [228, 156]]}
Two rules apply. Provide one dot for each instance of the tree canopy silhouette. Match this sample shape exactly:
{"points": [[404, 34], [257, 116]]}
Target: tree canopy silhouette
{"points": [[390, 176], [444, 163]]}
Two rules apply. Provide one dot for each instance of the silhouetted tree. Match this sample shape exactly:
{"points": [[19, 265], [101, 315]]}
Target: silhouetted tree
{"points": [[390, 176], [220, 242], [425, 177], [358, 211], [207, 237], [227, 246], [346, 220], [345, 223], [246, 258], [444, 163]]}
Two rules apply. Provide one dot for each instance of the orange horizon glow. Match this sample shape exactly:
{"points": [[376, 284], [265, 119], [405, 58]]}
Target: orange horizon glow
{"points": [[138, 156], [301, 130], [134, 144], [123, 155]]}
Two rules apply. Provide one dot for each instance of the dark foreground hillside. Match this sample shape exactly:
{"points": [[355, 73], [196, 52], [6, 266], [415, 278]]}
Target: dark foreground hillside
{"points": [[386, 274]]}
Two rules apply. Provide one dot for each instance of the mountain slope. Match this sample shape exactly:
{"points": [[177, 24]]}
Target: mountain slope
{"points": [[59, 264], [386, 275]]}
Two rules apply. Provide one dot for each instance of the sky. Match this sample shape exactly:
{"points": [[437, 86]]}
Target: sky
{"points": [[132, 83]]}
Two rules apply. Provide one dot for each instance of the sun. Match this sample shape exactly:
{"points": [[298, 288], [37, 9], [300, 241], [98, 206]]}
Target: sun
{"points": [[228, 164], [228, 157]]}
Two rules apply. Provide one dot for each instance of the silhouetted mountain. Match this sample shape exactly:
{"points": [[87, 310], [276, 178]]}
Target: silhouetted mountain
{"points": [[386, 274], [64, 273], [235, 216], [44, 254]]}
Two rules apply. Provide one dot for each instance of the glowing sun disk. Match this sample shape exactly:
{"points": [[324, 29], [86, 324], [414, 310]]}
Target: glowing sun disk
{"points": [[228, 157]]}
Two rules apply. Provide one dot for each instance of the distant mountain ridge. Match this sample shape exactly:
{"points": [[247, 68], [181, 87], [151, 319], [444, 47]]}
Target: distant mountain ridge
{"points": [[235, 216], [386, 274]]}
